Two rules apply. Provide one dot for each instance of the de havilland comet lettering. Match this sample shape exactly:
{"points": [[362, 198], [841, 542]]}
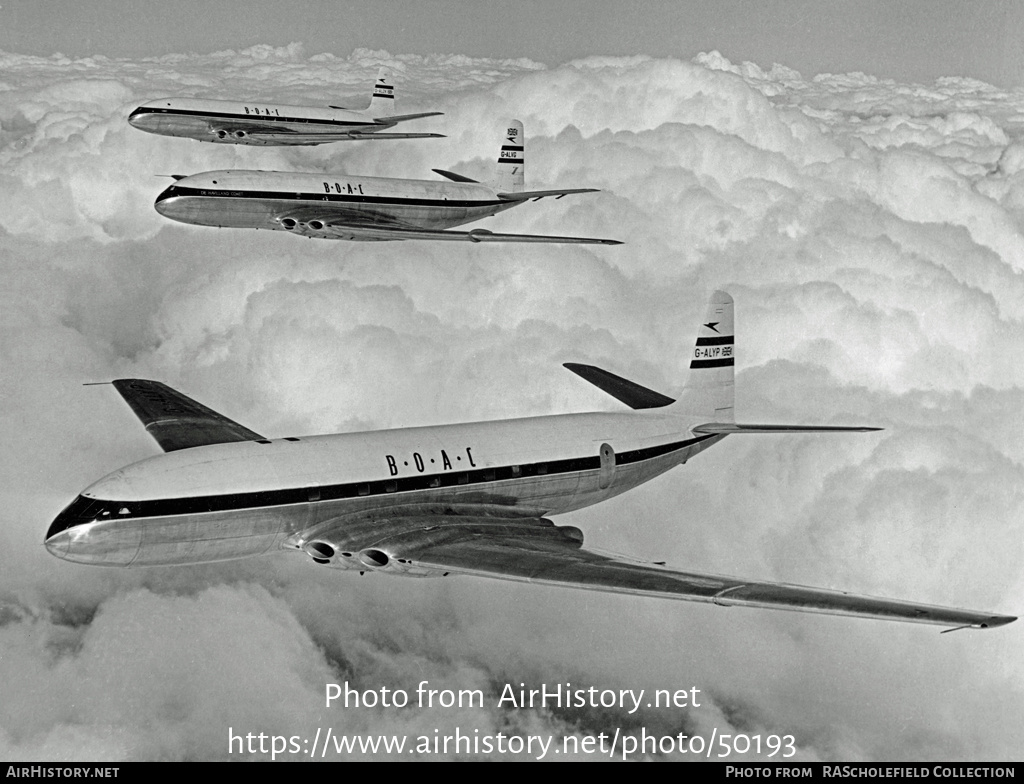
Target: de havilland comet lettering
{"points": [[469, 499]]}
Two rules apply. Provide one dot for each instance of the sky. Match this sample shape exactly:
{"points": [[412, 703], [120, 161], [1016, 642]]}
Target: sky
{"points": [[909, 40], [867, 223]]}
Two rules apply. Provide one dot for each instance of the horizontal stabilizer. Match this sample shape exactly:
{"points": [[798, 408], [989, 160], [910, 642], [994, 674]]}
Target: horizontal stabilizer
{"points": [[535, 195], [176, 421], [633, 395], [730, 427], [453, 176]]}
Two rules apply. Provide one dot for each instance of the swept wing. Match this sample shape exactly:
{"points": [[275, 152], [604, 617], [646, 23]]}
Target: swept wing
{"points": [[341, 223], [537, 551], [476, 235], [177, 421], [628, 392], [285, 136]]}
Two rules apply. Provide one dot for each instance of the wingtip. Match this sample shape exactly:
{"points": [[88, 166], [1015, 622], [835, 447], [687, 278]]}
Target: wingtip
{"points": [[998, 620]]}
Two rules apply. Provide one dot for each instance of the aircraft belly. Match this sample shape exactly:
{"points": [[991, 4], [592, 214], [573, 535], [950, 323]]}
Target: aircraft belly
{"points": [[216, 536], [112, 543], [193, 127], [224, 212]]}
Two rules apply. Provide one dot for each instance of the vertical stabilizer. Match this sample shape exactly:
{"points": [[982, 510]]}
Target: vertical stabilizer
{"points": [[709, 390], [382, 102], [511, 161]]}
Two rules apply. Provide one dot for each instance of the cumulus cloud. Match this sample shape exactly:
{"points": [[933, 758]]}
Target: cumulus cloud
{"points": [[870, 232]]}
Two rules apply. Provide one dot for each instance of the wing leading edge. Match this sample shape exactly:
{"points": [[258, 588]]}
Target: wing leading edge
{"points": [[358, 232], [555, 563], [176, 421]]}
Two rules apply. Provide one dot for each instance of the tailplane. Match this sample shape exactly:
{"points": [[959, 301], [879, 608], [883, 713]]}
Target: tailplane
{"points": [[710, 387], [709, 393], [511, 162], [382, 102]]}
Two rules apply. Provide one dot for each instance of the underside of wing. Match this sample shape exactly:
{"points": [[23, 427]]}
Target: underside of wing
{"points": [[249, 129], [376, 232], [177, 421], [555, 563], [280, 136], [485, 541], [339, 223]]}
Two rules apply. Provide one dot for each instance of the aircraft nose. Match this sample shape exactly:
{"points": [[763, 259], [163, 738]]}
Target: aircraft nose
{"points": [[91, 531], [164, 203], [135, 118], [57, 544], [58, 538]]}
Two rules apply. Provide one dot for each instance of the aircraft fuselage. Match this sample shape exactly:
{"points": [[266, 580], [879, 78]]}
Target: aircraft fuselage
{"points": [[235, 500], [296, 202], [231, 122]]}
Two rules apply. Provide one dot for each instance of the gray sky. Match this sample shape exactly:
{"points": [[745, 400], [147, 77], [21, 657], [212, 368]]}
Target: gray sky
{"points": [[909, 40]]}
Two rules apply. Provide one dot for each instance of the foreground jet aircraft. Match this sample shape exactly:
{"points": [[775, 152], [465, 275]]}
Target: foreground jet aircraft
{"points": [[432, 501], [234, 122], [353, 207]]}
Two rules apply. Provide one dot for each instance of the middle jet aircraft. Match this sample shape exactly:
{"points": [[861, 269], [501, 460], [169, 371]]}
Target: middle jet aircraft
{"points": [[252, 122], [353, 207], [471, 499]]}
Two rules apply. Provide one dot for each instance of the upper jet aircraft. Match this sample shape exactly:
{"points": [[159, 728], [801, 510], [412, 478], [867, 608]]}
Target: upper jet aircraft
{"points": [[235, 122], [433, 501], [353, 207]]}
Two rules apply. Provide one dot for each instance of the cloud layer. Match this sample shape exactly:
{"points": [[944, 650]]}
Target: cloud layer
{"points": [[870, 231]]}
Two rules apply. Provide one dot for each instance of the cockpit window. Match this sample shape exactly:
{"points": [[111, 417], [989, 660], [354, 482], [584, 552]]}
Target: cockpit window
{"points": [[83, 508]]}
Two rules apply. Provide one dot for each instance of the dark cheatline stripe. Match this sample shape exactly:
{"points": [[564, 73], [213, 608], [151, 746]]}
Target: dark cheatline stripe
{"points": [[711, 363], [724, 340], [510, 160], [262, 118], [87, 509], [510, 148], [320, 198]]}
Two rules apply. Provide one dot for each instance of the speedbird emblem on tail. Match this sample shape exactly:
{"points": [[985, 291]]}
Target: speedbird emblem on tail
{"points": [[471, 499]]}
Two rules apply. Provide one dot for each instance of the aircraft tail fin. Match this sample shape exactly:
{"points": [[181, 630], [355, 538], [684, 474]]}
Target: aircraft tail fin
{"points": [[710, 390], [510, 167], [382, 102]]}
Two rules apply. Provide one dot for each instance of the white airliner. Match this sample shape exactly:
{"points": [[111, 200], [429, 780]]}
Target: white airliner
{"points": [[252, 122], [353, 207], [436, 501]]}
